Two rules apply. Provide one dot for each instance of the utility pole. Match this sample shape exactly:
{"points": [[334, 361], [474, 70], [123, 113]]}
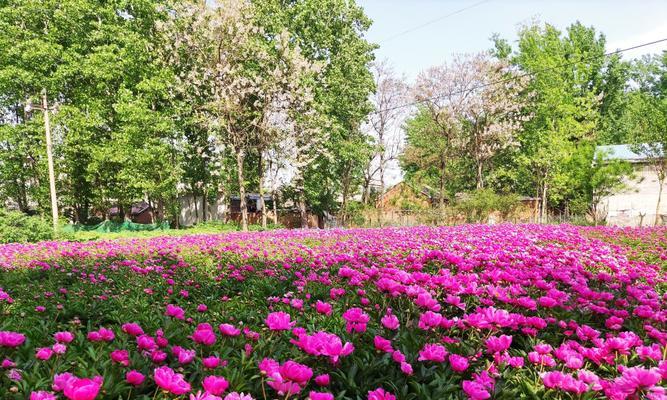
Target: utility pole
{"points": [[44, 106], [49, 157]]}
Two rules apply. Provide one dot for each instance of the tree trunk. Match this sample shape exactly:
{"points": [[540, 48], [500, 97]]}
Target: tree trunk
{"points": [[441, 200], [543, 210], [204, 204], [661, 181], [480, 181], [260, 173], [302, 209], [275, 207], [240, 156]]}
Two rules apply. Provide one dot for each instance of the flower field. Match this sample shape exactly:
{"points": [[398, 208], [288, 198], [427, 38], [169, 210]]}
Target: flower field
{"points": [[475, 311]]}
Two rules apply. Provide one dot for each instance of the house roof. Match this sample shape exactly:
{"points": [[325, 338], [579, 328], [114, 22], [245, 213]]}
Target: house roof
{"points": [[626, 152], [252, 196]]}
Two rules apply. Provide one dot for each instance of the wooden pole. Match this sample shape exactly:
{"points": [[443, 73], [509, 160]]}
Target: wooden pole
{"points": [[49, 157]]}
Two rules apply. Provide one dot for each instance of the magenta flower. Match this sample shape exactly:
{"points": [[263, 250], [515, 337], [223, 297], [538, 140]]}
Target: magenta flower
{"points": [[132, 329], [211, 362], [323, 308], [238, 396], [229, 330], [382, 344], [356, 320], [11, 339], [170, 381], [458, 363], [174, 312], [215, 385], [380, 394], [82, 388], [44, 353], [279, 321], [205, 335], [42, 395], [433, 352], [475, 390], [496, 344], [390, 321], [322, 380], [320, 396], [134, 378], [121, 357], [63, 337]]}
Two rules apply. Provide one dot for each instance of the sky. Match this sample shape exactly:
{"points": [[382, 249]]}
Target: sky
{"points": [[624, 23]]}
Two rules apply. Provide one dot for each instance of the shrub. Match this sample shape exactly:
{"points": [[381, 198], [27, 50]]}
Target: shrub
{"points": [[16, 226]]}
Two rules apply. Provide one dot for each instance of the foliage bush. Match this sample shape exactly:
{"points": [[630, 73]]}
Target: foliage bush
{"points": [[476, 206], [16, 226]]}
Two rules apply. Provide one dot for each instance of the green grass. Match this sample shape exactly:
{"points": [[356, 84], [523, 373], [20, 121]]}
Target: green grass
{"points": [[200, 229]]}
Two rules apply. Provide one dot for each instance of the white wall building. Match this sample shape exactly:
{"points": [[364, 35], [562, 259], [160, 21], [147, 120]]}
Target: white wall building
{"points": [[636, 204]]}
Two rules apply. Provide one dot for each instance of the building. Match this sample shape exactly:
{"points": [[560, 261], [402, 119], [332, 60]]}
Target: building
{"points": [[635, 205]]}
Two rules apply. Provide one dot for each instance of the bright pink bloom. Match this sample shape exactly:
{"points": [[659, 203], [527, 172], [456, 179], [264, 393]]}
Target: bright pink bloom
{"points": [[322, 380], [42, 395], [475, 390], [390, 321], [458, 363], [382, 344], [238, 396], [170, 381], [211, 362], [205, 336], [132, 329], [121, 357], [229, 330], [323, 308], [175, 312], [320, 396], [11, 339], [279, 321], [433, 352], [44, 353], [356, 320], [496, 344], [63, 337], [215, 384], [82, 389], [135, 378], [380, 394]]}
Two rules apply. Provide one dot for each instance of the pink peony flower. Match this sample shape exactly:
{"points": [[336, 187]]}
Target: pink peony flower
{"points": [[11, 339], [432, 352], [322, 380], [132, 329], [82, 389], [211, 362], [238, 396], [380, 394], [390, 321], [356, 320], [320, 396], [496, 344], [42, 395], [121, 357], [458, 363], [279, 321], [215, 384], [44, 353], [323, 308], [170, 381], [134, 378], [174, 312], [229, 330], [205, 336], [63, 337], [475, 390]]}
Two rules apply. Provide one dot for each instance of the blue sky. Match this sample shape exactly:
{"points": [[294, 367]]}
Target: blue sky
{"points": [[625, 23]]}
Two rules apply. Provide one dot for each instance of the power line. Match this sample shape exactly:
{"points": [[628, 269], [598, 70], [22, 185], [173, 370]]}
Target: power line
{"points": [[515, 77], [405, 32]]}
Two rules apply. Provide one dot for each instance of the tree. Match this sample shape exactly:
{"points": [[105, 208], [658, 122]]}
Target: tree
{"points": [[388, 99], [647, 116], [493, 111], [568, 73], [230, 66]]}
